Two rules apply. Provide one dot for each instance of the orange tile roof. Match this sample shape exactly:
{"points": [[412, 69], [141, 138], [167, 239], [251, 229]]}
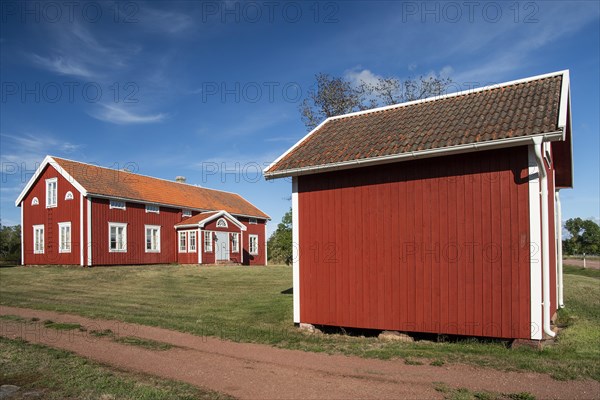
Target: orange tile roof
{"points": [[196, 218], [515, 110], [115, 183]]}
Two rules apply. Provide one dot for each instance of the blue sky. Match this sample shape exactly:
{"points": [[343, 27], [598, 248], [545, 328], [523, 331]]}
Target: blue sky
{"points": [[210, 90]]}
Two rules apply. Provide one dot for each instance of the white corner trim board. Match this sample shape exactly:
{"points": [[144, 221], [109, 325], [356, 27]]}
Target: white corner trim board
{"points": [[81, 227], [89, 232], [535, 246], [295, 250]]}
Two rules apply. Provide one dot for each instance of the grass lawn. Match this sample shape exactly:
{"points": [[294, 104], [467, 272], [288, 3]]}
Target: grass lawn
{"points": [[58, 374], [255, 305]]}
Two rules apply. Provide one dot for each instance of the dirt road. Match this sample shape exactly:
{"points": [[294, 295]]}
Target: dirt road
{"points": [[251, 371]]}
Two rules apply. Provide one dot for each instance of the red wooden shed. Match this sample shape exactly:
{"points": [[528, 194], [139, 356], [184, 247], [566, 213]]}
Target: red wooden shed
{"points": [[439, 215], [78, 213]]}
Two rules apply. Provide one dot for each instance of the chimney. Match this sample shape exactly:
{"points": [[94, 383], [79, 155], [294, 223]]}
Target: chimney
{"points": [[180, 179]]}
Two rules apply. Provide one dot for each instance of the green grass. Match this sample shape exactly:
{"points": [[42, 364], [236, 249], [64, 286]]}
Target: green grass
{"points": [[450, 393], [255, 305], [145, 343], [57, 374], [573, 270], [61, 326]]}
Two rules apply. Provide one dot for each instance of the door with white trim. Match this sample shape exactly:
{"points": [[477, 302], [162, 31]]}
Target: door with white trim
{"points": [[222, 246]]}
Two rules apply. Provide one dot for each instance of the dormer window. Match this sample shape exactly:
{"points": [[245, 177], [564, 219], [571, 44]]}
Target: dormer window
{"points": [[150, 208], [119, 205]]}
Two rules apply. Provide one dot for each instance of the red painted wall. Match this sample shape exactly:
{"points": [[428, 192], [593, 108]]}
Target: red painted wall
{"points": [[209, 257], [66, 211], [136, 217], [254, 229], [188, 257], [437, 245]]}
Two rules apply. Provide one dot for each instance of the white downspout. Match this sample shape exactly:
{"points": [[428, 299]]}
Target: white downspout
{"points": [[559, 256], [537, 145]]}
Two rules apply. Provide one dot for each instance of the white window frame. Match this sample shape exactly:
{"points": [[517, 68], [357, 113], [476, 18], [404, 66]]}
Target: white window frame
{"points": [[117, 225], [222, 223], [38, 247], [186, 213], [252, 221], [151, 208], [235, 242], [182, 249], [194, 235], [251, 250], [152, 228], [51, 194], [64, 246], [117, 205], [69, 195], [209, 235], [35, 201]]}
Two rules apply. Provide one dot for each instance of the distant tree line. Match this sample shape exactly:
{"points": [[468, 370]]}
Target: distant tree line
{"points": [[10, 243], [279, 246], [584, 237]]}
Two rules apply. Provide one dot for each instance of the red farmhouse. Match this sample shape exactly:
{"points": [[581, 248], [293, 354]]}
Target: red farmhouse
{"points": [[439, 215], [77, 213]]}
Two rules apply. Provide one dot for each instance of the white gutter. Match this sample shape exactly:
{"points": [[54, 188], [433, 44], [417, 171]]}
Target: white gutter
{"points": [[413, 155], [559, 255], [537, 145]]}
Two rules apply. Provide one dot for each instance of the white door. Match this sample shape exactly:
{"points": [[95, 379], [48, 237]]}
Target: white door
{"points": [[222, 246]]}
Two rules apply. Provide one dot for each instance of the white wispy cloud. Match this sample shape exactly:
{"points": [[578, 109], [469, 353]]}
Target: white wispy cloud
{"points": [[73, 50], [63, 66], [120, 115]]}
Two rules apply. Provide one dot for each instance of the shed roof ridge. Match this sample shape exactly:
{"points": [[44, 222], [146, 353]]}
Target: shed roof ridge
{"points": [[434, 98]]}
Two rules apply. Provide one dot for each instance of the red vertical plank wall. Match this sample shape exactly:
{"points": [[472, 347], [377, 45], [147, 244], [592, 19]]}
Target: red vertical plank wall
{"points": [[136, 217], [65, 211], [437, 245]]}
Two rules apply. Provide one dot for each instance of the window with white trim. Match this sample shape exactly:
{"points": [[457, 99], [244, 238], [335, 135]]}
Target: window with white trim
{"points": [[69, 195], [151, 208], [183, 242], [119, 205], [235, 242], [117, 237], [253, 221], [35, 201], [38, 239], [253, 244], [64, 237], [192, 242], [221, 223], [51, 192], [186, 213], [208, 242], [152, 239]]}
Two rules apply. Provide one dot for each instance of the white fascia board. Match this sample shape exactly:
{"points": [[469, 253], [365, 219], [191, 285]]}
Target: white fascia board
{"points": [[414, 155], [296, 145], [564, 73], [219, 214], [564, 101], [49, 160]]}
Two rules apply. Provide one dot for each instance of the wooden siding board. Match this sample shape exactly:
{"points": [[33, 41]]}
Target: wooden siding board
{"points": [[426, 211]]}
